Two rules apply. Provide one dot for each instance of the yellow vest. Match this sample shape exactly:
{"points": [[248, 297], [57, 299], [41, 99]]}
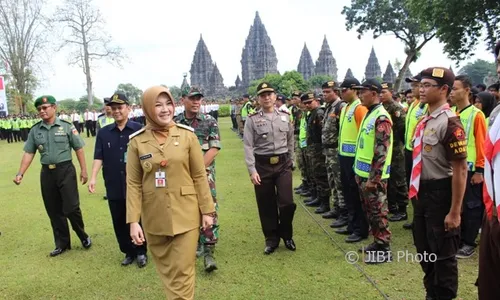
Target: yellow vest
{"points": [[467, 117], [366, 145], [303, 130], [348, 131], [415, 113]]}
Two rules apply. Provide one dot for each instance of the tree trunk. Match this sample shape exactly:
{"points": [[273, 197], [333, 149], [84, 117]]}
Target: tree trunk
{"points": [[406, 65]]}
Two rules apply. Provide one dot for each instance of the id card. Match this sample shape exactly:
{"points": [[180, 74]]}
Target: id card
{"points": [[160, 180]]}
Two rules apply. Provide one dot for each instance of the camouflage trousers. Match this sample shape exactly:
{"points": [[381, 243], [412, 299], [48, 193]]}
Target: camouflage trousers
{"points": [[397, 188], [375, 206], [317, 171], [333, 171], [301, 163], [210, 236], [239, 121]]}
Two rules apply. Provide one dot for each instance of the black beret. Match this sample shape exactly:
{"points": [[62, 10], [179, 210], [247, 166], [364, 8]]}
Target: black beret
{"points": [[309, 96], [264, 87], [349, 83], [386, 85], [440, 75], [415, 78], [329, 85], [370, 84], [119, 98]]}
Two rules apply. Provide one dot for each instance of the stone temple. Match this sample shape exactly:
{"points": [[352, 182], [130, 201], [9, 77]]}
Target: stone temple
{"points": [[326, 64], [306, 65], [372, 69]]}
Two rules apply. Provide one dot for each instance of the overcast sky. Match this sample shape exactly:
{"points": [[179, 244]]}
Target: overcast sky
{"points": [[159, 37]]}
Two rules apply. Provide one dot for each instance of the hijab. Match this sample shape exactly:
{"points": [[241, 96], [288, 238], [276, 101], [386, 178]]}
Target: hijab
{"points": [[148, 102], [487, 101]]}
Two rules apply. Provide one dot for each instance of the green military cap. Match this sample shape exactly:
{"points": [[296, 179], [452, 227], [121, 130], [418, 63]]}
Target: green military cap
{"points": [[118, 98], [194, 91], [264, 87], [329, 85], [309, 96], [47, 99], [296, 94]]}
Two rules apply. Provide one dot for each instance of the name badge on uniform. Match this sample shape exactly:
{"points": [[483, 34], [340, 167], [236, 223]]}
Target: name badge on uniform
{"points": [[283, 118], [160, 180]]}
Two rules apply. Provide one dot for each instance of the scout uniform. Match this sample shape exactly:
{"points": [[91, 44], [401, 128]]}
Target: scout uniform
{"points": [[167, 189], [439, 140], [268, 145], [207, 130], [58, 176], [372, 163], [111, 150]]}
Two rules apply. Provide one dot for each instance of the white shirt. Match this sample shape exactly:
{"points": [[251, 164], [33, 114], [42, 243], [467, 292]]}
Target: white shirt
{"points": [[75, 117], [88, 116], [284, 108]]}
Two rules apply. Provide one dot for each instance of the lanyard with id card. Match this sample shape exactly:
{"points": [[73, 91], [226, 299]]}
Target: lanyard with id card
{"points": [[160, 180]]}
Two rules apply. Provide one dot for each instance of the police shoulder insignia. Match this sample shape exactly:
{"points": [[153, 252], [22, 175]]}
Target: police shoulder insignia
{"points": [[459, 134], [185, 127], [75, 132], [137, 133]]}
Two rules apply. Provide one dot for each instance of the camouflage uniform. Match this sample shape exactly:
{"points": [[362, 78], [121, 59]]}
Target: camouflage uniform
{"points": [[397, 189], [375, 202], [239, 120], [207, 131], [330, 141]]}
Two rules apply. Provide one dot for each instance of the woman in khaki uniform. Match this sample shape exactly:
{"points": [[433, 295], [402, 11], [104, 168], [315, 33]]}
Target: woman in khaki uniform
{"points": [[167, 190]]}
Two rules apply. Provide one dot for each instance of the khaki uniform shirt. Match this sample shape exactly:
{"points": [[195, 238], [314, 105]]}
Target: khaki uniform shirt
{"points": [[267, 136], [175, 208], [53, 142], [444, 140]]}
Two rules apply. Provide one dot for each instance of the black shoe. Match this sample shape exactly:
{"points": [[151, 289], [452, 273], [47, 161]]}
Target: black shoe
{"points": [[86, 243], [354, 238], [142, 260], [290, 245], [306, 194], [343, 231], [310, 199], [379, 256], [268, 250], [301, 186], [316, 202], [408, 226], [127, 260], [59, 251], [332, 214], [299, 191], [104, 198], [339, 223], [398, 217], [321, 209], [372, 247]]}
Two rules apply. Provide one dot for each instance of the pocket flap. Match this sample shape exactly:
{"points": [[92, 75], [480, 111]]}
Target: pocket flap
{"points": [[284, 128], [431, 139], [188, 190]]}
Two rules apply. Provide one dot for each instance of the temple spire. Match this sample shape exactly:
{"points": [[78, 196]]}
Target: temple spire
{"points": [[306, 64]]}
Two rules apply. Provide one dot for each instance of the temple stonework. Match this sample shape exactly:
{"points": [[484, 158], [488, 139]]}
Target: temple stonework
{"points": [[349, 74], [326, 64], [372, 69], [216, 83], [306, 64], [204, 74], [389, 74]]}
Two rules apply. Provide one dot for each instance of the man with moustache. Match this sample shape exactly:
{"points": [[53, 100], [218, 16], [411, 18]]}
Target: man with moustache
{"points": [[110, 153]]}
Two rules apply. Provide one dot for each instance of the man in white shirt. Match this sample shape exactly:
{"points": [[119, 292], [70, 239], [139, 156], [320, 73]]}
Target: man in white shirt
{"points": [[281, 103], [75, 118]]}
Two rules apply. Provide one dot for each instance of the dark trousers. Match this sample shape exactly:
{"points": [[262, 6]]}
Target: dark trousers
{"points": [[472, 212], [88, 126], [489, 259], [94, 128], [408, 167], [24, 134], [357, 222], [80, 127], [233, 120], [61, 200], [8, 133], [430, 237], [275, 198], [16, 135], [215, 114], [77, 127], [118, 212]]}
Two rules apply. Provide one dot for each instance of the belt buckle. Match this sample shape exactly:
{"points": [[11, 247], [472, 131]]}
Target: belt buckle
{"points": [[274, 160], [52, 167]]}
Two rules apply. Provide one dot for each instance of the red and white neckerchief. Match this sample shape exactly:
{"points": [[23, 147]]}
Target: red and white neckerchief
{"points": [[491, 187], [416, 170]]}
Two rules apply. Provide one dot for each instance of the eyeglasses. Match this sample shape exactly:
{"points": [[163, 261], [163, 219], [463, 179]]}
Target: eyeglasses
{"points": [[426, 86], [43, 107]]}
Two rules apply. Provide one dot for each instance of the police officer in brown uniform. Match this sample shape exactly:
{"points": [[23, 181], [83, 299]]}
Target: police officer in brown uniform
{"points": [[437, 184], [269, 145]]}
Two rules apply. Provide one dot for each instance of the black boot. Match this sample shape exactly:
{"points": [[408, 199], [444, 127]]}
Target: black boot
{"points": [[316, 202], [324, 207], [209, 259]]}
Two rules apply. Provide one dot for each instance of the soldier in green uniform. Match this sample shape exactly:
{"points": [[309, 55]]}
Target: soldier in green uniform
{"points": [[207, 131], [397, 187], [54, 138]]}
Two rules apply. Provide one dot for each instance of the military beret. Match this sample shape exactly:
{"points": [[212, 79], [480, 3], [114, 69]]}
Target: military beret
{"points": [[371, 84], [349, 83], [281, 97], [386, 85], [47, 99], [415, 78], [329, 85], [117, 98], [194, 91], [296, 94], [264, 87], [497, 49], [309, 96], [440, 75]]}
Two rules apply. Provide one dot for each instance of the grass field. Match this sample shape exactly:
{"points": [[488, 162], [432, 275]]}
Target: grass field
{"points": [[317, 270]]}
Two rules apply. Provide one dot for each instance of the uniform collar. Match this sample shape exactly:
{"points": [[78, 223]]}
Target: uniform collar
{"points": [[261, 111], [198, 116], [57, 122], [438, 111]]}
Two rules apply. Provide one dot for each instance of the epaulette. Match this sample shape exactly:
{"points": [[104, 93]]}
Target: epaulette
{"points": [[253, 114], [284, 111], [66, 121], [137, 133], [37, 123], [185, 127]]}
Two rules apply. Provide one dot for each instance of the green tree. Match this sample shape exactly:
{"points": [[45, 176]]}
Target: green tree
{"points": [[478, 70], [67, 104], [273, 79], [460, 24], [287, 83], [176, 92], [133, 93], [317, 80], [390, 17]]}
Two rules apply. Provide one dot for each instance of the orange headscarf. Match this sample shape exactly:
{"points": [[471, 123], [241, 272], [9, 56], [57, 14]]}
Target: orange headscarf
{"points": [[148, 102]]}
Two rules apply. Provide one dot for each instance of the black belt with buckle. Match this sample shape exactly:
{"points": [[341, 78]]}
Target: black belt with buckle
{"points": [[271, 159], [55, 166], [436, 184]]}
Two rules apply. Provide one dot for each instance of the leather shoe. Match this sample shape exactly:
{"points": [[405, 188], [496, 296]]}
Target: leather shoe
{"points": [[408, 226], [127, 260], [339, 223], [86, 243], [332, 214], [398, 217], [142, 260], [354, 238], [343, 231], [305, 194], [290, 245], [299, 187], [59, 251], [268, 250], [322, 209], [314, 203]]}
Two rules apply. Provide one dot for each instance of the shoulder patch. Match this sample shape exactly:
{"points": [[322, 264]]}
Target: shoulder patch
{"points": [[253, 114], [136, 133], [185, 127]]}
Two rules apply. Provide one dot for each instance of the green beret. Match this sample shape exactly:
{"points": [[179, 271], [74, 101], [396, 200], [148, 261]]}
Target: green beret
{"points": [[45, 100]]}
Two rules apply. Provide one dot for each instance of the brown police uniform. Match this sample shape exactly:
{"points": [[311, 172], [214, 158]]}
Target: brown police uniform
{"points": [[443, 141], [269, 145], [170, 214]]}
